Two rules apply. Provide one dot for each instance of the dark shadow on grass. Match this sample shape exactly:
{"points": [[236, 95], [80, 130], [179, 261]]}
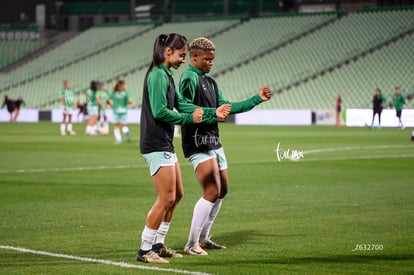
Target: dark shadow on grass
{"points": [[234, 238]]}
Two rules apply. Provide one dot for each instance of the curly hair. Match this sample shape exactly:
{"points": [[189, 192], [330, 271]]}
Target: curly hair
{"points": [[202, 43]]}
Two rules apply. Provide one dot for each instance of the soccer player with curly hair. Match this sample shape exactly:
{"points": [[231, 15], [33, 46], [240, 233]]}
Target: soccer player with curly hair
{"points": [[201, 143]]}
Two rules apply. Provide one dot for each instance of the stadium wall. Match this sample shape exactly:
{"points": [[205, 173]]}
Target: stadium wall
{"points": [[354, 117], [363, 117]]}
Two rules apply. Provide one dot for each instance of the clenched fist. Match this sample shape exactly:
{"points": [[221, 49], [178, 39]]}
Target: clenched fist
{"points": [[265, 93]]}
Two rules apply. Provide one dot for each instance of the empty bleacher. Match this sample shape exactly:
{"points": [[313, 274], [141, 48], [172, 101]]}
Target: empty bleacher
{"points": [[308, 59], [260, 35], [13, 50], [334, 44], [77, 48], [104, 65], [386, 68]]}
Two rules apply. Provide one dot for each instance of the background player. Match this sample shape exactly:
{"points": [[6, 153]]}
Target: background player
{"points": [[9, 103], [399, 102], [92, 107], [66, 99], [201, 143], [338, 109], [102, 98], [120, 99], [378, 102]]}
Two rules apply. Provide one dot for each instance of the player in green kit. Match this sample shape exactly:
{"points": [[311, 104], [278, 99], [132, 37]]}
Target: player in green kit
{"points": [[159, 98], [91, 128], [201, 143], [120, 99], [102, 98], [399, 102], [66, 99]]}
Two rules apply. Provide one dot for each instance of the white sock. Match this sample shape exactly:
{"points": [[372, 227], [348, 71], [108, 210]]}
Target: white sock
{"points": [[162, 232], [88, 129], [201, 211], [147, 238], [70, 127], [177, 131], [62, 127], [205, 232], [125, 130], [117, 134]]}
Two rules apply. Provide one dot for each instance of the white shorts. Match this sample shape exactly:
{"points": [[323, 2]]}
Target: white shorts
{"points": [[218, 154], [156, 160], [67, 110]]}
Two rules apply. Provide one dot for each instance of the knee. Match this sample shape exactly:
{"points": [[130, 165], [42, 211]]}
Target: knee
{"points": [[168, 201], [179, 196], [212, 194], [223, 193]]}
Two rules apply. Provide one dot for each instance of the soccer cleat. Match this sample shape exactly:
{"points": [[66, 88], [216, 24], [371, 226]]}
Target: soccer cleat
{"points": [[195, 250], [166, 252], [72, 133], [150, 257], [209, 244], [118, 142], [63, 133]]}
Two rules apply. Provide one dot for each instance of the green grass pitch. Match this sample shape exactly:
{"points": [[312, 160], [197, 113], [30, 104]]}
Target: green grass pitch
{"points": [[346, 207]]}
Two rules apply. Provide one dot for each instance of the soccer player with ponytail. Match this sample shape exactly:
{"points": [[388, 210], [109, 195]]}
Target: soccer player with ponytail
{"points": [[156, 143]]}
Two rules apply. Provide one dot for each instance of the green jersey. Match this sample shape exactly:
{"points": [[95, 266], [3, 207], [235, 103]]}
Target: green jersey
{"points": [[159, 98], [200, 89], [189, 86], [103, 96], [120, 101], [398, 101], [158, 83], [67, 95], [92, 97]]}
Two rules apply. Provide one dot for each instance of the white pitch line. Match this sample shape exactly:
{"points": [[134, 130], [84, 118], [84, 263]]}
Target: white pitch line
{"points": [[307, 152], [65, 169], [354, 148], [80, 168], [99, 261], [395, 156]]}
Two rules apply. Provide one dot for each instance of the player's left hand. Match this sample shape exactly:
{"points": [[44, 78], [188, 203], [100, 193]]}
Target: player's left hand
{"points": [[265, 93], [222, 112]]}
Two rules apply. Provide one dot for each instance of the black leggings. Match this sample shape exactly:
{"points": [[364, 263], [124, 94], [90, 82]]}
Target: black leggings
{"points": [[379, 116]]}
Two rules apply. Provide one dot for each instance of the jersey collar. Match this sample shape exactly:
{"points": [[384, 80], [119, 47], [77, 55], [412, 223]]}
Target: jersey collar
{"points": [[196, 70], [168, 71]]}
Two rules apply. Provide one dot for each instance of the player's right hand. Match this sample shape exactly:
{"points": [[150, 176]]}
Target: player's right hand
{"points": [[198, 115]]}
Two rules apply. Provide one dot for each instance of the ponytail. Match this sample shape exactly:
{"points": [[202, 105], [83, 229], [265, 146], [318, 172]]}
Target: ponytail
{"points": [[173, 40], [94, 86]]}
